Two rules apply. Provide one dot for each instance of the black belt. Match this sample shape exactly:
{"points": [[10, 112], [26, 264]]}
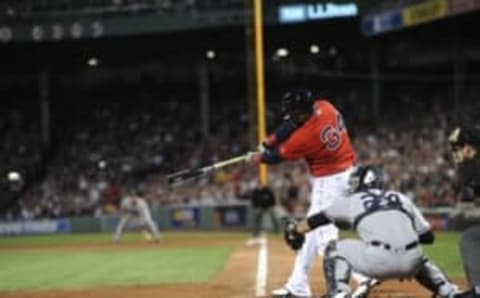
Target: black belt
{"points": [[388, 246]]}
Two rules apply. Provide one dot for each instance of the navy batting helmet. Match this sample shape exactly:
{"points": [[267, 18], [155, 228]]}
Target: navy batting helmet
{"points": [[297, 102], [366, 177]]}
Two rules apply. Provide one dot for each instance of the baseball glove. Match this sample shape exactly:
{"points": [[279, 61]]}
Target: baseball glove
{"points": [[293, 238]]}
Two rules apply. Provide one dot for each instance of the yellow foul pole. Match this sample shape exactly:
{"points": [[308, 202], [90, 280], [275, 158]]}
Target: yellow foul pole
{"points": [[260, 75]]}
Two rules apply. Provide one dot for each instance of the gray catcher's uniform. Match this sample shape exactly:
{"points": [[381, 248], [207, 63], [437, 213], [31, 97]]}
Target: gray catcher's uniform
{"points": [[389, 225]]}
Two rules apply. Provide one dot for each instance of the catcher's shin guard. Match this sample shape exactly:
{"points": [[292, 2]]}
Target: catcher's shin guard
{"points": [[434, 279], [337, 271]]}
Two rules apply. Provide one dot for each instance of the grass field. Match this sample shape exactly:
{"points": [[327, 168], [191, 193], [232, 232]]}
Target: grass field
{"points": [[72, 239], [445, 252], [31, 269], [87, 261]]}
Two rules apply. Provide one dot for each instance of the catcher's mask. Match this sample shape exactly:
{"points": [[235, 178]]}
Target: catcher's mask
{"points": [[364, 178]]}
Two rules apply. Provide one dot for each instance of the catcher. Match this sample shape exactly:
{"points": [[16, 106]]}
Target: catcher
{"points": [[391, 230]]}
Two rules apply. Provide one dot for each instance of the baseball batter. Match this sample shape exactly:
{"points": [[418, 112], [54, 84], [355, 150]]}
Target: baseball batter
{"points": [[391, 230], [313, 130], [133, 206]]}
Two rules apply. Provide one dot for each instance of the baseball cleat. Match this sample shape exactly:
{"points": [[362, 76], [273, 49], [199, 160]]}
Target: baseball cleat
{"points": [[255, 241], [285, 293], [342, 294], [338, 294], [364, 288], [467, 294]]}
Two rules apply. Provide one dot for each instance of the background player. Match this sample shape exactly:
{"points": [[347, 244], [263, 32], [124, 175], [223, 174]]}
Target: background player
{"points": [[312, 130], [465, 144], [133, 206], [263, 203], [390, 229]]}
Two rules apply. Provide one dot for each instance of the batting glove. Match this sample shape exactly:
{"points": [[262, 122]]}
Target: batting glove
{"points": [[253, 157]]}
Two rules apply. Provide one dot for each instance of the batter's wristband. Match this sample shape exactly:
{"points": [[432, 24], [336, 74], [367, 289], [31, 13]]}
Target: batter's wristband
{"points": [[271, 156], [317, 220]]}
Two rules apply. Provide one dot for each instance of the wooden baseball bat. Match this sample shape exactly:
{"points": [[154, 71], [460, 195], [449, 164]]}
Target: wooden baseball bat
{"points": [[186, 175]]}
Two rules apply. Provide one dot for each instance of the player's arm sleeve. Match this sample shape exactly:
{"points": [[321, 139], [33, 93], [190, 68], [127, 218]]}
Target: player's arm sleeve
{"points": [[337, 211], [295, 147], [281, 133], [420, 223], [340, 210]]}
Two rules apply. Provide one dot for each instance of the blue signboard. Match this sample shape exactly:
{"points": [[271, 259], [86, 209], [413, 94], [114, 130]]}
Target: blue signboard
{"points": [[383, 22], [232, 216], [35, 227], [296, 13], [185, 217]]}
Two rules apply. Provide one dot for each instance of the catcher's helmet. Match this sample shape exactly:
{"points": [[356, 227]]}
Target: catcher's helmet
{"points": [[366, 177], [297, 102]]}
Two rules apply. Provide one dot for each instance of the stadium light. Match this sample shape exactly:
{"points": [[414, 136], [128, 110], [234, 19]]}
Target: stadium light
{"points": [[282, 52], [92, 61], [211, 54], [314, 49], [13, 176]]}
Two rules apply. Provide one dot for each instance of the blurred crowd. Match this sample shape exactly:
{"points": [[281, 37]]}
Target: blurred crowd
{"points": [[22, 10], [104, 148]]}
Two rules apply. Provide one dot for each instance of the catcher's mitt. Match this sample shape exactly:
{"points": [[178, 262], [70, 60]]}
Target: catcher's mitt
{"points": [[293, 238]]}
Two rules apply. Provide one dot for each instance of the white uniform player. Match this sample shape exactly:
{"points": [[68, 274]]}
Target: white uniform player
{"points": [[390, 228], [133, 206]]}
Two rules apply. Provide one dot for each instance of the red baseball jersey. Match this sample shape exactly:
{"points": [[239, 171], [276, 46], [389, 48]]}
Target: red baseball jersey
{"points": [[322, 141]]}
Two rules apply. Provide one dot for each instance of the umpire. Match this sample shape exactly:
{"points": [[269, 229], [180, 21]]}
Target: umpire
{"points": [[263, 202], [465, 146]]}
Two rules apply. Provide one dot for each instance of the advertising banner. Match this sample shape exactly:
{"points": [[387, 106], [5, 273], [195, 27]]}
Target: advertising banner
{"points": [[425, 12], [35, 227], [438, 221], [185, 217], [462, 6], [231, 216], [294, 13], [381, 23]]}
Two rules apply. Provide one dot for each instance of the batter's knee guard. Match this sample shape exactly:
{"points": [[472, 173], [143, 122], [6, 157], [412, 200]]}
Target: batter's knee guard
{"points": [[434, 279], [337, 272]]}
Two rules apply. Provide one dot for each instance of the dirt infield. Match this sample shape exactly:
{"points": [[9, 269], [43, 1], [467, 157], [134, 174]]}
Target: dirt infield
{"points": [[236, 280]]}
